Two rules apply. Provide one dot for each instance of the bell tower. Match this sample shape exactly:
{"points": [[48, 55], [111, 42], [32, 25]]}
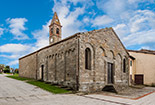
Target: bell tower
{"points": [[54, 30]]}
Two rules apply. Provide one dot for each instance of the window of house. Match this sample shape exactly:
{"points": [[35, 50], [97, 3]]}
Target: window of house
{"points": [[88, 59], [124, 65], [57, 31], [130, 63]]}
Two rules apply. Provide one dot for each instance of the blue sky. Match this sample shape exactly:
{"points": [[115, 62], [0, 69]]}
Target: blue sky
{"points": [[24, 23]]}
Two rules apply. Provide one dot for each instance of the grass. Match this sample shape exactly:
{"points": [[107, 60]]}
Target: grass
{"points": [[8, 73], [42, 85], [48, 87], [16, 76]]}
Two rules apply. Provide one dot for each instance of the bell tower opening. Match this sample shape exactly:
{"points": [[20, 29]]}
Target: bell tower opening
{"points": [[54, 30]]}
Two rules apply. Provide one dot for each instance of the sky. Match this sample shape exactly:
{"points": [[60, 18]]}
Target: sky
{"points": [[24, 23]]}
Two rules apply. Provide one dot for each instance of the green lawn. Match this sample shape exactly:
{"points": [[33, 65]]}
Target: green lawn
{"points": [[16, 76], [48, 87], [43, 85]]}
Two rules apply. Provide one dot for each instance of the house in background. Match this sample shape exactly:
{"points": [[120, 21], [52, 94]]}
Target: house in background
{"points": [[142, 67], [131, 68], [1, 67]]}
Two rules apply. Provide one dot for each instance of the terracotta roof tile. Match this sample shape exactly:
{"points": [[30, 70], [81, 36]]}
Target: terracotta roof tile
{"points": [[143, 51]]}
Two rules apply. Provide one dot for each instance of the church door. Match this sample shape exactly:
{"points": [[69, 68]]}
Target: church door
{"points": [[110, 73]]}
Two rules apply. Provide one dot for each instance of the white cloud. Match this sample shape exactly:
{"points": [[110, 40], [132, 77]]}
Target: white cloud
{"points": [[140, 1], [86, 20], [120, 26], [134, 1], [142, 20], [75, 1], [1, 31], [138, 29], [17, 27], [135, 26], [42, 36], [68, 18], [14, 48], [146, 47], [139, 38], [102, 20], [112, 7], [122, 30], [14, 52], [14, 56], [13, 62], [119, 8], [71, 24]]}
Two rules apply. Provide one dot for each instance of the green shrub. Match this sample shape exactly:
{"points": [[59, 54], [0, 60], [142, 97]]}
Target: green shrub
{"points": [[6, 69]]}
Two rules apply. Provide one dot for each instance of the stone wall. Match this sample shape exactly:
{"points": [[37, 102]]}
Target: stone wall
{"points": [[63, 62], [27, 66], [60, 63], [105, 48]]}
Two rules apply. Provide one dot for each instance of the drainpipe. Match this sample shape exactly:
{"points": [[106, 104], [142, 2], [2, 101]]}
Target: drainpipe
{"points": [[36, 65], [77, 73], [78, 63], [47, 68]]}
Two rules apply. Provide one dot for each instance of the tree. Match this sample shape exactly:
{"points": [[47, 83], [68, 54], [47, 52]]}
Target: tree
{"points": [[16, 71], [6, 69]]}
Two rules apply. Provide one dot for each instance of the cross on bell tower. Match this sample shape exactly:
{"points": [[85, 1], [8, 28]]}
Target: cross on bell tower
{"points": [[55, 30]]}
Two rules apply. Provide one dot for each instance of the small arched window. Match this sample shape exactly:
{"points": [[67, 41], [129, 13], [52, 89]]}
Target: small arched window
{"points": [[57, 31], [52, 30], [124, 65], [42, 72], [88, 58], [102, 52]]}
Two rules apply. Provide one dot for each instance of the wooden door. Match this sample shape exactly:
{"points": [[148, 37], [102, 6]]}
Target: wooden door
{"points": [[139, 78], [110, 73]]}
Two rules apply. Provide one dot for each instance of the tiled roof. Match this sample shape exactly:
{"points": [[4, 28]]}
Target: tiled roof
{"points": [[55, 19], [143, 51]]}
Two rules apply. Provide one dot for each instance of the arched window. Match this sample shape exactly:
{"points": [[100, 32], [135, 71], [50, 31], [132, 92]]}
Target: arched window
{"points": [[88, 58], [52, 30], [102, 52], [57, 31], [124, 65], [42, 72], [112, 54]]}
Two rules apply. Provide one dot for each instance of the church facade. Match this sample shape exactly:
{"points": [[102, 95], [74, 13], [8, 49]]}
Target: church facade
{"points": [[87, 61]]}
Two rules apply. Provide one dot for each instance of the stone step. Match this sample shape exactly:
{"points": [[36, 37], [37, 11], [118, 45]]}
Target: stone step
{"points": [[109, 88], [48, 82]]}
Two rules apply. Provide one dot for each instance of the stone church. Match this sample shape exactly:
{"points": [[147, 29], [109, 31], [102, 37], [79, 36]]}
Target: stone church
{"points": [[86, 61]]}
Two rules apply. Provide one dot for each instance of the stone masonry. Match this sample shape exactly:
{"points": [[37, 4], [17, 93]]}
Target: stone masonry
{"points": [[64, 62]]}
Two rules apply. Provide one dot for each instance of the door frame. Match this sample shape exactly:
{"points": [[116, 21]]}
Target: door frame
{"points": [[111, 65], [142, 79]]}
